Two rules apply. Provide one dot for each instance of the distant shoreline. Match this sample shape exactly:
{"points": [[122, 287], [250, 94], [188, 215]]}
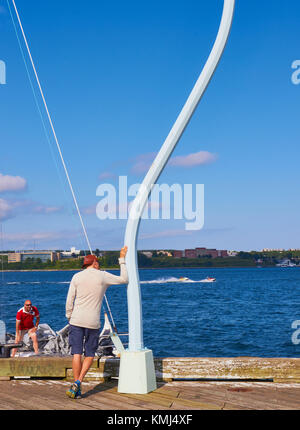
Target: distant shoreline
{"points": [[147, 268]]}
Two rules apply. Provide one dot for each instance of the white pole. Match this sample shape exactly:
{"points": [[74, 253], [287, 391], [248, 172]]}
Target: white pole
{"points": [[133, 290]]}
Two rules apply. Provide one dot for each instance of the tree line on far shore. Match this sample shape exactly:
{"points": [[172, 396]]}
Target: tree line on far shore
{"points": [[110, 260]]}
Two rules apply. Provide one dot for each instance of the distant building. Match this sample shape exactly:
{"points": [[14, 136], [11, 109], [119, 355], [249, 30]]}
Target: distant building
{"points": [[200, 252], [270, 250], [178, 254], [166, 253], [232, 253], [69, 254], [190, 253], [147, 253], [19, 257]]}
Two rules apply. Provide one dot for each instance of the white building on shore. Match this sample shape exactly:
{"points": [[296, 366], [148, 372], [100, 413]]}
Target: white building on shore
{"points": [[68, 254]]}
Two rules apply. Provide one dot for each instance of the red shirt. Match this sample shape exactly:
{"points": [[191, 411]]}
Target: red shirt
{"points": [[27, 318]]}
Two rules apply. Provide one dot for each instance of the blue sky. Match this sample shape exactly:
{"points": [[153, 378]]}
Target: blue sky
{"points": [[115, 76]]}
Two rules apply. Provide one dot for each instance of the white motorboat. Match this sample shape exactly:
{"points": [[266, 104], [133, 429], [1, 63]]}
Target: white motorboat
{"points": [[208, 279], [183, 279]]}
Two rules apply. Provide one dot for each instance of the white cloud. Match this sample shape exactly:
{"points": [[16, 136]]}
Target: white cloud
{"points": [[45, 239], [41, 209], [143, 162], [12, 237], [5, 209], [191, 160], [12, 208], [166, 233], [12, 183], [106, 175]]}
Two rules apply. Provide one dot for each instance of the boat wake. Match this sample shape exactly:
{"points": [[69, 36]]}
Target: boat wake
{"points": [[172, 279]]}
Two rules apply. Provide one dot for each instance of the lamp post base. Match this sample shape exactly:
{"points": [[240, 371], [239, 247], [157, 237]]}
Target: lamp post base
{"points": [[137, 372]]}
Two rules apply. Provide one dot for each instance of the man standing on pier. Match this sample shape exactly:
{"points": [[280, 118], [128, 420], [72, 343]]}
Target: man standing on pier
{"points": [[25, 323], [83, 306]]}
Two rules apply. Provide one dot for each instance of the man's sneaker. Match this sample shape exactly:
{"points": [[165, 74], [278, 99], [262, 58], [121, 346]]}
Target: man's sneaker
{"points": [[74, 392], [78, 394]]}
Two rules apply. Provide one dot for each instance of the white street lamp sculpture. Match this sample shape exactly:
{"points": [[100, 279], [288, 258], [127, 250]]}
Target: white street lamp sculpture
{"points": [[137, 374]]}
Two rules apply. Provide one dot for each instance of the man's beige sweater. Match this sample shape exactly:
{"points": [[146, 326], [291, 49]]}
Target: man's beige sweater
{"points": [[86, 292]]}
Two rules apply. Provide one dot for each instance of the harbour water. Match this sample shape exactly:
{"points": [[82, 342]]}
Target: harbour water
{"points": [[246, 312]]}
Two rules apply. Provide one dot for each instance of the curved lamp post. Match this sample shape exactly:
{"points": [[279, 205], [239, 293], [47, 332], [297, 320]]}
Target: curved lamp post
{"points": [[137, 372]]}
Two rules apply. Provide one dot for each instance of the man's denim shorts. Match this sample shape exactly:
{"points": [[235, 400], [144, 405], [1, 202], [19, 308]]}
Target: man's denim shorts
{"points": [[83, 339]]}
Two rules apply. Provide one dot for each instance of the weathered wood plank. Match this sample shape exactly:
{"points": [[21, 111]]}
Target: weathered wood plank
{"points": [[284, 369], [43, 394], [228, 368], [248, 368], [37, 366]]}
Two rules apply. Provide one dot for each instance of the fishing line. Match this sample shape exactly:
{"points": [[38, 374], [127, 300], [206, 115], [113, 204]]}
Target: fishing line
{"points": [[2, 272], [51, 124], [41, 117], [52, 127]]}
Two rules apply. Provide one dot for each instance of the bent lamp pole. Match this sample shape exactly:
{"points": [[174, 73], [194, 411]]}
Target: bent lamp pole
{"points": [[137, 374]]}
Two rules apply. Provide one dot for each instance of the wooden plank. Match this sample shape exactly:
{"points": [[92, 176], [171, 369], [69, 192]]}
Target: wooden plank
{"points": [[49, 394], [155, 399], [34, 366], [193, 404], [107, 396], [92, 375], [278, 369], [43, 396], [171, 392], [215, 399], [228, 368], [37, 366], [253, 401], [126, 402], [104, 403], [217, 368]]}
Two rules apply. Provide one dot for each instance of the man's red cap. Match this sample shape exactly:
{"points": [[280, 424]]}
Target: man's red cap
{"points": [[88, 260]]}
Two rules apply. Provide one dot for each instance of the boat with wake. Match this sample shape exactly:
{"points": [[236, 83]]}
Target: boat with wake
{"points": [[184, 279], [208, 279]]}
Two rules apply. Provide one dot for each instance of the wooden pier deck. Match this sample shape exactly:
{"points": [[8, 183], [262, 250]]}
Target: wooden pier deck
{"points": [[176, 395], [242, 383]]}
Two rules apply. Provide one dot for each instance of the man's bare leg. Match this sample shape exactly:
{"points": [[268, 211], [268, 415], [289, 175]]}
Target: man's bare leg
{"points": [[76, 366], [34, 341], [87, 362], [18, 338]]}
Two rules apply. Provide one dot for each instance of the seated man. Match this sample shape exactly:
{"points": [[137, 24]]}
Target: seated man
{"points": [[24, 323]]}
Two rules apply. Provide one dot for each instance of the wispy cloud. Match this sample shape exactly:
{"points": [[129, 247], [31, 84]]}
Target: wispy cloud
{"points": [[46, 210], [24, 240], [180, 233], [13, 237], [106, 175], [191, 160], [12, 208], [142, 162], [5, 210], [12, 183], [166, 233], [89, 210]]}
